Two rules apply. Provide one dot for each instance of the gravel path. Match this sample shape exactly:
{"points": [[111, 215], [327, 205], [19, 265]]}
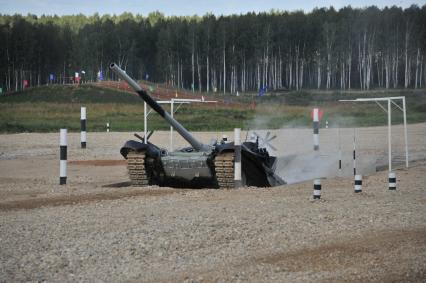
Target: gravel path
{"points": [[87, 232]]}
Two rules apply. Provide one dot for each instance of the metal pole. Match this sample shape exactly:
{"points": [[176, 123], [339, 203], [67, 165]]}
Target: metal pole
{"points": [[83, 135], [354, 153], [405, 131], [171, 128], [63, 157], [389, 136], [340, 152], [145, 123], [237, 163], [316, 128]]}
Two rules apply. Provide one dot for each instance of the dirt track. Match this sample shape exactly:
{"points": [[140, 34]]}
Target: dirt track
{"points": [[97, 228]]}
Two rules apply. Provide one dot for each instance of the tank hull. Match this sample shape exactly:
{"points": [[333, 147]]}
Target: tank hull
{"points": [[150, 165]]}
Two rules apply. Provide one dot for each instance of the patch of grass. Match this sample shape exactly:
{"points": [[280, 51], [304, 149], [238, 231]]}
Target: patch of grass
{"points": [[47, 109]]}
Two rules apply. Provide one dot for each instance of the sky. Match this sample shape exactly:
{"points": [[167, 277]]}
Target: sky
{"points": [[181, 7]]}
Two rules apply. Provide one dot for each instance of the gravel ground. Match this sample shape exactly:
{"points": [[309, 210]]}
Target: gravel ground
{"points": [[85, 231]]}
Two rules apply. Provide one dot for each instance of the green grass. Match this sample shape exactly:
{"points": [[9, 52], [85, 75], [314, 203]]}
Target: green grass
{"points": [[46, 109]]}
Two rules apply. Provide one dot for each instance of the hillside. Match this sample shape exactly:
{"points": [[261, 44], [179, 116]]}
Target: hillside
{"points": [[48, 108]]}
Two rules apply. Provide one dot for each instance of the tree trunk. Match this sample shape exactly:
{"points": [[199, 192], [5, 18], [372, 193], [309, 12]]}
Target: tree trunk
{"points": [[193, 68], [207, 74], [417, 67], [224, 70], [318, 70], [199, 75], [297, 67], [406, 80]]}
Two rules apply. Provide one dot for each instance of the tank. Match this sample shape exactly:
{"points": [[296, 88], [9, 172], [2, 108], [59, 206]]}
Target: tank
{"points": [[198, 165]]}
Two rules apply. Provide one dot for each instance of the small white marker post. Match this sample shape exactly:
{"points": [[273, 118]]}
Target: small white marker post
{"points": [[317, 189], [358, 183], [237, 163], [107, 127], [63, 157], [83, 135], [392, 181]]}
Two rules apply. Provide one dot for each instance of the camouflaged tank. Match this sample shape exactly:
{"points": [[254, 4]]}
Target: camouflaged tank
{"points": [[197, 166]]}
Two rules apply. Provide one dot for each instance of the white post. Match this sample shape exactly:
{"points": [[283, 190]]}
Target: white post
{"points": [[107, 126], [340, 151], [389, 135], [405, 131], [358, 183], [145, 114], [171, 128], [237, 163], [354, 153], [83, 135], [392, 181], [317, 189], [63, 157], [315, 117]]}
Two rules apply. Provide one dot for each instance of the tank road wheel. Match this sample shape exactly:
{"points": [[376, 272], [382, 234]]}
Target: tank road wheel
{"points": [[224, 169], [136, 168]]}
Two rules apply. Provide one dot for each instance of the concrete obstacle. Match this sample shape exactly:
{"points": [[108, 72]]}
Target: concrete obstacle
{"points": [[358, 183], [63, 157], [392, 181], [317, 189], [83, 135], [237, 163]]}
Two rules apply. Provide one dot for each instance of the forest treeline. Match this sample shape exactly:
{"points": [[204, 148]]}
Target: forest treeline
{"points": [[324, 49]]}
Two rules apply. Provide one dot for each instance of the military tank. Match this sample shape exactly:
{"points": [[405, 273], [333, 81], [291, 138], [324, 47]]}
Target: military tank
{"points": [[198, 165]]}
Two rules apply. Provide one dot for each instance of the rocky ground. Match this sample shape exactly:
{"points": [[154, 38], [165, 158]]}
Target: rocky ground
{"points": [[98, 229]]}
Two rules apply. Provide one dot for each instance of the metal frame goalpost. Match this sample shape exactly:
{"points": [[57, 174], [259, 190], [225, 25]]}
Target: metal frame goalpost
{"points": [[390, 101]]}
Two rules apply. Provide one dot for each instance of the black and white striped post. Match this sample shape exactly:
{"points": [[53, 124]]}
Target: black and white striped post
{"points": [[317, 188], [358, 183], [237, 163], [83, 127], [354, 155], [340, 152], [63, 157], [392, 181], [107, 127], [315, 117]]}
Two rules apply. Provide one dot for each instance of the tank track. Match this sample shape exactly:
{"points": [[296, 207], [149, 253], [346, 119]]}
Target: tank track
{"points": [[136, 168], [224, 169]]}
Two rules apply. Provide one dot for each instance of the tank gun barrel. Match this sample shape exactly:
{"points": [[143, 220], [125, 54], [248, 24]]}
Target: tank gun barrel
{"points": [[157, 108]]}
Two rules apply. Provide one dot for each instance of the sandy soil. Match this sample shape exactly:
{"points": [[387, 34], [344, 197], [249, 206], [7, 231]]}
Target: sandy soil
{"points": [[97, 228]]}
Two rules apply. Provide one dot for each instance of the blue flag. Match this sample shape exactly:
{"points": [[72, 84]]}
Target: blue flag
{"points": [[262, 91]]}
